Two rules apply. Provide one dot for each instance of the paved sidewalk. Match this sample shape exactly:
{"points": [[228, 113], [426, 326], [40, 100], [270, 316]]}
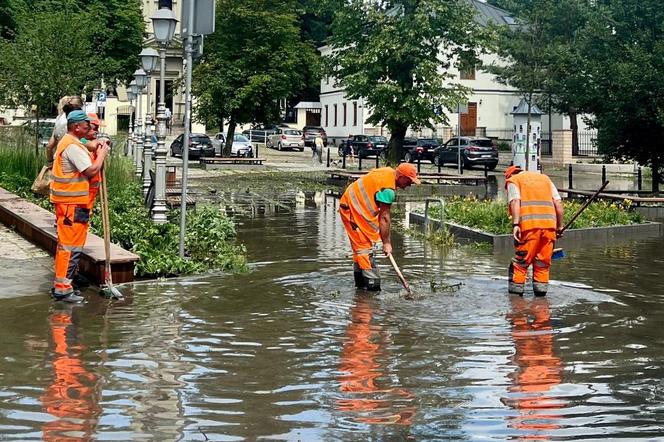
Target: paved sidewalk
{"points": [[26, 269]]}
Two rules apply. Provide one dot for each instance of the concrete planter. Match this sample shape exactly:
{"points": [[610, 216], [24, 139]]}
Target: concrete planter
{"points": [[573, 239]]}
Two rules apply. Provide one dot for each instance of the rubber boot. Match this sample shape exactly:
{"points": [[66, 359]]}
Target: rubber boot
{"points": [[358, 276], [513, 287]]}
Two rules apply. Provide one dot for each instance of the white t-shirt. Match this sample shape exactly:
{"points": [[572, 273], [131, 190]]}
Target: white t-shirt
{"points": [[60, 128], [514, 193], [75, 159]]}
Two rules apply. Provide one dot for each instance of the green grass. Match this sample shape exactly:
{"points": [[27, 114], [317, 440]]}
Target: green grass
{"points": [[491, 216]]}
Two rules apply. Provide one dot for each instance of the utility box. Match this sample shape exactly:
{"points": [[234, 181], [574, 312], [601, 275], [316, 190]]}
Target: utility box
{"points": [[521, 147]]}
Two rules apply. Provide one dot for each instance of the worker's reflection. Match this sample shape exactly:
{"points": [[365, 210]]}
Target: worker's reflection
{"points": [[363, 360], [71, 397], [538, 370]]}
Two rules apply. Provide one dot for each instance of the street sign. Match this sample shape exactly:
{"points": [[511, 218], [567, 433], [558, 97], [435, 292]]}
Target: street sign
{"points": [[101, 97], [203, 17]]}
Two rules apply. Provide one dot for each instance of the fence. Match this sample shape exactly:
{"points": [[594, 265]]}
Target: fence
{"points": [[587, 146]]}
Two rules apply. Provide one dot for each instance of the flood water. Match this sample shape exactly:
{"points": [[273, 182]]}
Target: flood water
{"points": [[290, 351]]}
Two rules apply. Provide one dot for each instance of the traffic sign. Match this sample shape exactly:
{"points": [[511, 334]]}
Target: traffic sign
{"points": [[101, 96]]}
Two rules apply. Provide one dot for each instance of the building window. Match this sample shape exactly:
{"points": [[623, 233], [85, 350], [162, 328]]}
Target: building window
{"points": [[344, 114], [354, 113], [467, 73], [327, 114], [335, 115]]}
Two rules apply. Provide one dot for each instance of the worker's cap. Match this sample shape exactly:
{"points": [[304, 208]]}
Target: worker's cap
{"points": [[408, 170], [77, 116], [94, 119], [511, 171]]}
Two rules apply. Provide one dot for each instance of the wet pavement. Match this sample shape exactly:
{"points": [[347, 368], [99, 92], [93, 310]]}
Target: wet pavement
{"points": [[290, 351]]}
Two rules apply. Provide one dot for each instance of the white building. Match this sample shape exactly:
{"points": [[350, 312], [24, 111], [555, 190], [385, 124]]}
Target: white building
{"points": [[489, 104]]}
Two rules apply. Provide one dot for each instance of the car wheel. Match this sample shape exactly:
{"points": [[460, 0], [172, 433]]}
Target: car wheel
{"points": [[492, 166], [408, 157], [437, 161], [279, 146], [301, 149], [467, 165]]}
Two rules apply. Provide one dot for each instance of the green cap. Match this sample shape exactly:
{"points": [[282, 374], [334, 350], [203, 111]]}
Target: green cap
{"points": [[77, 116]]}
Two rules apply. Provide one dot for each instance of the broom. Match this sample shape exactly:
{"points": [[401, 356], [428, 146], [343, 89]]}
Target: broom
{"points": [[559, 253]]}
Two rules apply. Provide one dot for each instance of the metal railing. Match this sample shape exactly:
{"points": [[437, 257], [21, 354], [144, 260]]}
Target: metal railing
{"points": [[587, 144]]}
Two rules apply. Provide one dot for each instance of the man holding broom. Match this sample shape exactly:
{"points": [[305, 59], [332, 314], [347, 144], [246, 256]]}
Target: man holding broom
{"points": [[536, 210], [73, 168]]}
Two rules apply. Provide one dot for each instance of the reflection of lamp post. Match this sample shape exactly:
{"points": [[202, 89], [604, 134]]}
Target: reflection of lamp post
{"points": [[149, 58], [163, 22], [141, 80], [130, 138]]}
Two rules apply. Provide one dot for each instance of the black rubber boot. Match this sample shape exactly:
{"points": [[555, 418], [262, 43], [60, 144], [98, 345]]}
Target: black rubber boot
{"points": [[72, 298], [358, 277]]}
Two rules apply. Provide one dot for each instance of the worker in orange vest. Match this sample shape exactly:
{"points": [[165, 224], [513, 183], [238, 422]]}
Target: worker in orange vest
{"points": [[537, 219], [73, 167], [365, 212]]}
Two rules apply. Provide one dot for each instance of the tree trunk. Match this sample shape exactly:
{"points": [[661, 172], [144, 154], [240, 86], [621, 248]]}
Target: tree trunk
{"points": [[226, 151], [574, 125], [655, 173], [395, 146]]}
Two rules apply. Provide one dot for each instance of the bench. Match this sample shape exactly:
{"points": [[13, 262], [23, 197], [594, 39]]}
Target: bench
{"points": [[637, 200], [37, 225], [211, 162]]}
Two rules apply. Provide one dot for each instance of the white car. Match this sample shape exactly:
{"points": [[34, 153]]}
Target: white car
{"points": [[241, 147], [286, 138]]}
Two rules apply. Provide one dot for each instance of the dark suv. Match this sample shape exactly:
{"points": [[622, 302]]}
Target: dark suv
{"points": [[367, 145], [475, 151], [419, 149], [200, 145], [311, 132]]}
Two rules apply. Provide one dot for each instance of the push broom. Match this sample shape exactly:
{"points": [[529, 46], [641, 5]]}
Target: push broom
{"points": [[559, 253]]}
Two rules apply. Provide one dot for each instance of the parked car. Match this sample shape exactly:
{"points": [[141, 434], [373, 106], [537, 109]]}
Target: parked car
{"points": [[475, 151], [286, 138], [259, 134], [419, 149], [310, 134], [200, 145], [368, 145], [241, 146]]}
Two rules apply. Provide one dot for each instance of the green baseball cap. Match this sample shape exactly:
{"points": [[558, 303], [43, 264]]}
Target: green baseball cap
{"points": [[77, 116]]}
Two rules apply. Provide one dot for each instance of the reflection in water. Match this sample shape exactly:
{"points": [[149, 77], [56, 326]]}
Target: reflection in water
{"points": [[363, 362], [538, 369], [72, 396]]}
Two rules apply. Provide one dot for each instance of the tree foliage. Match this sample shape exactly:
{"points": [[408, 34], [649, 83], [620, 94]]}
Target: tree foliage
{"points": [[399, 57], [255, 58]]}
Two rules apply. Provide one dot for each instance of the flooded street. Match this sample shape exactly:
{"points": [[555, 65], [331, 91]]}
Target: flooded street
{"points": [[290, 351]]}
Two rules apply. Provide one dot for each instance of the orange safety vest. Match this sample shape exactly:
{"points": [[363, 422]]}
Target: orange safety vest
{"points": [[537, 209], [360, 197], [68, 188]]}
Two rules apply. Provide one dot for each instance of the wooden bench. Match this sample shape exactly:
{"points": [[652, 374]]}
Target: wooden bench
{"points": [[637, 200], [426, 178], [37, 225], [211, 162]]}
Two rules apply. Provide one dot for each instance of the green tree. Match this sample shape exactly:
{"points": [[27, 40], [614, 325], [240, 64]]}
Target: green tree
{"points": [[399, 55], [624, 45], [252, 61]]}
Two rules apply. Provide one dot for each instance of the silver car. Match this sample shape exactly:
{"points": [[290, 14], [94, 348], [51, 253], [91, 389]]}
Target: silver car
{"points": [[241, 147], [286, 138]]}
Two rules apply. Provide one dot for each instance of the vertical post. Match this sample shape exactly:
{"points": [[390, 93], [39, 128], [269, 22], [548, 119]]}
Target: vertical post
{"points": [[639, 180], [459, 165], [343, 162], [328, 157], [147, 140], [138, 150], [439, 165], [130, 137], [159, 208], [603, 173], [569, 176], [419, 164], [486, 171], [377, 157], [256, 153], [189, 50], [360, 162]]}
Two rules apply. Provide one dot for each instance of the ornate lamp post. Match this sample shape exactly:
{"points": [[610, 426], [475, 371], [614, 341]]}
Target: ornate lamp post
{"points": [[140, 79], [130, 138], [149, 58], [163, 22]]}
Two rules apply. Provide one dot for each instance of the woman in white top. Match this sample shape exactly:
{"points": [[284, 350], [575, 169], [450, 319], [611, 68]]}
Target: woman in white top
{"points": [[66, 104]]}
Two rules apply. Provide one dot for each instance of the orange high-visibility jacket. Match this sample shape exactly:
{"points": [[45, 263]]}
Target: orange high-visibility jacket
{"points": [[68, 188], [360, 197], [537, 209]]}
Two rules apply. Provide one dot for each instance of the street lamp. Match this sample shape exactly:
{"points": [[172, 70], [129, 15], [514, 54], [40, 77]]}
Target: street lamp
{"points": [[149, 58], [163, 22], [130, 137], [141, 79]]}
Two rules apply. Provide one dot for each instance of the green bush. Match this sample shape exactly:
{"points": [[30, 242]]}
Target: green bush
{"points": [[209, 243], [504, 146], [492, 217]]}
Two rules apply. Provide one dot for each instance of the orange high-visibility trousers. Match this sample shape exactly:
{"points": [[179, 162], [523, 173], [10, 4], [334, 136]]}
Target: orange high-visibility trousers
{"points": [[536, 248], [359, 241], [72, 225]]}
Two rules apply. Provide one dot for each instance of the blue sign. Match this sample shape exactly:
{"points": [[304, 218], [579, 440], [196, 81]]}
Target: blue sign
{"points": [[101, 96]]}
